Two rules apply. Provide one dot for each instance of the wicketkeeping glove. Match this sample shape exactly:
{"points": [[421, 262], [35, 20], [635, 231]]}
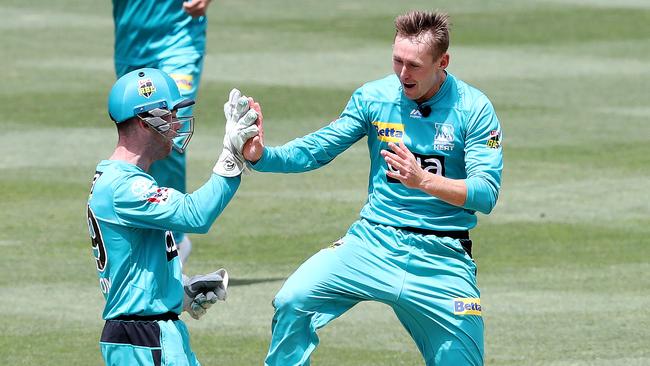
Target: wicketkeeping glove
{"points": [[203, 291], [240, 126]]}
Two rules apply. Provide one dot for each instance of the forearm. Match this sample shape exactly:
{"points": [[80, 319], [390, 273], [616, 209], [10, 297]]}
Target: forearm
{"points": [[482, 194], [474, 194], [167, 209], [313, 150], [287, 159], [452, 191], [200, 208]]}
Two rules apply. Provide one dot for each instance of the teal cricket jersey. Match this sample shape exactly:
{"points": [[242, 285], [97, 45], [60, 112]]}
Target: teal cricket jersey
{"points": [[460, 139], [146, 31], [130, 219]]}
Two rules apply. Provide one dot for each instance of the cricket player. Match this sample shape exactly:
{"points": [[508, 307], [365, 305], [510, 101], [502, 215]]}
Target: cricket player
{"points": [[130, 218], [168, 35], [435, 159]]}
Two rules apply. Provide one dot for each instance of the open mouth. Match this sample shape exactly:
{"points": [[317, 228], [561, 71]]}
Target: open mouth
{"points": [[408, 85]]}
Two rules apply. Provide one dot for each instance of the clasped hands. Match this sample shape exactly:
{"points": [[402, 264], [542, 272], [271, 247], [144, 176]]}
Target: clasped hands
{"points": [[243, 116]]}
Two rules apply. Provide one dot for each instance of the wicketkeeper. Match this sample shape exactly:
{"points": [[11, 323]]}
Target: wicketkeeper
{"points": [[131, 220]]}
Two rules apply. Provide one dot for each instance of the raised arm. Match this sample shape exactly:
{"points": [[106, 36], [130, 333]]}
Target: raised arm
{"points": [[140, 202], [313, 150]]}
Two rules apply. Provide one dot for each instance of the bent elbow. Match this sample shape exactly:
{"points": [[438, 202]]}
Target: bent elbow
{"points": [[481, 196], [203, 228], [487, 207]]}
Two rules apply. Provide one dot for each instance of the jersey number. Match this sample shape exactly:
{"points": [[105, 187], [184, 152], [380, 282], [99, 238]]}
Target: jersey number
{"points": [[172, 250], [97, 242]]}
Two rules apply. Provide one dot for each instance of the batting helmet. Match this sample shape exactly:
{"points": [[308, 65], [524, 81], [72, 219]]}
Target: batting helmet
{"points": [[151, 95], [141, 91]]}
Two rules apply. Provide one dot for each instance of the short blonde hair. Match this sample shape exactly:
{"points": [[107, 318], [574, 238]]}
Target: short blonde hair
{"points": [[431, 28]]}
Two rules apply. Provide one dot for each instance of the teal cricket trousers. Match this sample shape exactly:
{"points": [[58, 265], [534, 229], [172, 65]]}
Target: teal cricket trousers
{"points": [[147, 343], [429, 281]]}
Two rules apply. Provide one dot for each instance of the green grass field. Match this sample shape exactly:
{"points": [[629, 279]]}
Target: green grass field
{"points": [[563, 259]]}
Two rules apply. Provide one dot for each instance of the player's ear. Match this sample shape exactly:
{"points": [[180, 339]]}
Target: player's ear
{"points": [[443, 61], [141, 123], [128, 125]]}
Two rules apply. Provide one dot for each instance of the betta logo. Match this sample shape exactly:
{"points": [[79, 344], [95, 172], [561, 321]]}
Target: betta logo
{"points": [[146, 87], [184, 82], [467, 306], [389, 132]]}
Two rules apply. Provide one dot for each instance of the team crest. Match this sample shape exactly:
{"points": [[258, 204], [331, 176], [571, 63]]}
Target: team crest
{"points": [[444, 139], [494, 142], [146, 87]]}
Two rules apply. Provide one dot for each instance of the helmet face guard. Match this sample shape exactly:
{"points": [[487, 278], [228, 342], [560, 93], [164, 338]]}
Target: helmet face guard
{"points": [[183, 134], [177, 130], [151, 95]]}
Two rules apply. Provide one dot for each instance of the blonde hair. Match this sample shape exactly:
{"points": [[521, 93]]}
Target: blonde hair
{"points": [[431, 28]]}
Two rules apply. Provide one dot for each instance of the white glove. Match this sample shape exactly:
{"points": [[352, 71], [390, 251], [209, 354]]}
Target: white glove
{"points": [[203, 291], [240, 126]]}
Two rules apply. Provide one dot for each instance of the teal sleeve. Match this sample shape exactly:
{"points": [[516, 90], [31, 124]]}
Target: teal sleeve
{"points": [[318, 148], [139, 202], [483, 158]]}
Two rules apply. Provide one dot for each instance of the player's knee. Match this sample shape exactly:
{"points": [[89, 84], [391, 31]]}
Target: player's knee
{"points": [[290, 300], [454, 353]]}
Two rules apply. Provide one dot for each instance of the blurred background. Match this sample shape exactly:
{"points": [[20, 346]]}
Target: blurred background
{"points": [[563, 259]]}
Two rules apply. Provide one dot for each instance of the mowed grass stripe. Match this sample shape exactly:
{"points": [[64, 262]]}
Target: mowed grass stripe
{"points": [[603, 4], [40, 19], [561, 259], [570, 24], [514, 247], [338, 69], [530, 63]]}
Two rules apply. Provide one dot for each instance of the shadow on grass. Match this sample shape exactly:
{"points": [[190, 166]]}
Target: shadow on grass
{"points": [[252, 281]]}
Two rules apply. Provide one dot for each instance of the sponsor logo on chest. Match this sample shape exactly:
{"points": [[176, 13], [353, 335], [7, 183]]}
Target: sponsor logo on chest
{"points": [[389, 132], [434, 164]]}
